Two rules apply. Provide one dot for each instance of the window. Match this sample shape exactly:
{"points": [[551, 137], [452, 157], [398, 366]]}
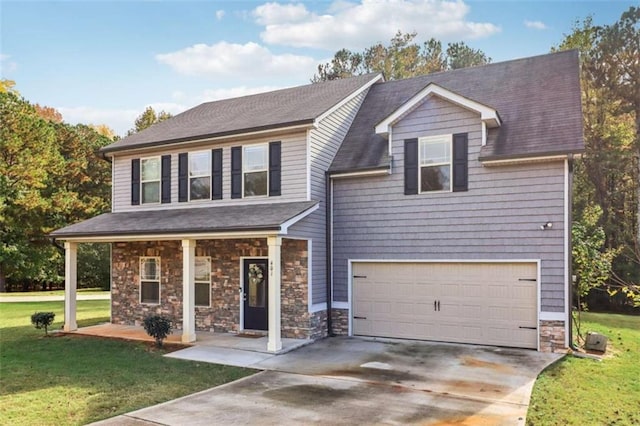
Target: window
{"points": [[150, 180], [150, 280], [200, 175], [203, 281], [435, 163], [255, 170]]}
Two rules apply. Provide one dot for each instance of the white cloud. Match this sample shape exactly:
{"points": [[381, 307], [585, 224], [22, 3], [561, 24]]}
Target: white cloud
{"points": [[276, 13], [238, 60], [536, 25], [219, 14], [6, 65], [119, 120], [358, 25]]}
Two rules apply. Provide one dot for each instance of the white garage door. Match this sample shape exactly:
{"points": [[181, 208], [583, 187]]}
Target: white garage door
{"points": [[483, 303]]}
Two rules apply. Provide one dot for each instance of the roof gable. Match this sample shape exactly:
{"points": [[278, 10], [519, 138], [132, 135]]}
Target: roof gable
{"points": [[487, 114]]}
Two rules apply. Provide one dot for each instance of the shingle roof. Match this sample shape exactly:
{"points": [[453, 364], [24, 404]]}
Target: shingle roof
{"points": [[187, 220], [538, 100], [280, 108]]}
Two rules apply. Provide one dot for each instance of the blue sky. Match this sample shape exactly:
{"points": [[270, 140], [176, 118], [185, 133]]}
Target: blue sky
{"points": [[103, 62]]}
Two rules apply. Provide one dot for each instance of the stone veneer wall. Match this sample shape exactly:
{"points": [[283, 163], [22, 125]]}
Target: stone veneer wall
{"points": [[224, 313], [552, 335], [340, 321]]}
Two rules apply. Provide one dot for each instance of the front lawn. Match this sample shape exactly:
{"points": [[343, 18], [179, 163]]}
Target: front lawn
{"points": [[579, 391], [77, 380]]}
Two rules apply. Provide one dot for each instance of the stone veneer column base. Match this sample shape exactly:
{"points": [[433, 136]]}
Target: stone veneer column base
{"points": [[340, 321], [552, 335]]}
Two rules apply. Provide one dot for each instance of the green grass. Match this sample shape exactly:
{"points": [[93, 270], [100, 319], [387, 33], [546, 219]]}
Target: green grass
{"points": [[76, 380], [52, 292], [578, 391]]}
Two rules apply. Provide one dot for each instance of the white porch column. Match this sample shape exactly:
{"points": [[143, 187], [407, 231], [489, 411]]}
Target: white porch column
{"points": [[188, 291], [70, 285], [275, 244]]}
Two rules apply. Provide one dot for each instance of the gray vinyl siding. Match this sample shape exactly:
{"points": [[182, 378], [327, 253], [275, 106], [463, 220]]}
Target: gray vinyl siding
{"points": [[323, 145], [293, 184], [498, 218]]}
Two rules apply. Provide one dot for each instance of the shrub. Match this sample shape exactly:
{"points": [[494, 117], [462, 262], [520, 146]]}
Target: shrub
{"points": [[43, 320], [157, 327]]}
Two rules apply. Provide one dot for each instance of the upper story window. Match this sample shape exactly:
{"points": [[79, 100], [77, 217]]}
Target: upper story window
{"points": [[200, 175], [255, 170], [435, 163], [150, 180]]}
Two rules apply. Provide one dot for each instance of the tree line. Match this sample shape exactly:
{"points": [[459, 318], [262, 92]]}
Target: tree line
{"points": [[52, 176]]}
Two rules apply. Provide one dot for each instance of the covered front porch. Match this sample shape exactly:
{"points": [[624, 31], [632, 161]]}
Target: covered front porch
{"points": [[154, 270]]}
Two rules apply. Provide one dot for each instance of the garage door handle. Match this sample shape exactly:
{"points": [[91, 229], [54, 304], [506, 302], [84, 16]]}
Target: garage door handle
{"points": [[359, 317], [359, 276], [527, 279], [529, 328]]}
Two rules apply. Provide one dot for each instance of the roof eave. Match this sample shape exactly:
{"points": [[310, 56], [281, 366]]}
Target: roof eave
{"points": [[302, 124]]}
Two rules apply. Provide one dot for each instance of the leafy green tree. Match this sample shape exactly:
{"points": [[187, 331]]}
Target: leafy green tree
{"points": [[51, 178], [592, 262], [607, 175], [462, 56], [148, 118], [28, 156], [402, 58]]}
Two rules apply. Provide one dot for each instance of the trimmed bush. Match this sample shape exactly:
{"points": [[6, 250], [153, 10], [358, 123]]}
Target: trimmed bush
{"points": [[43, 320], [158, 327]]}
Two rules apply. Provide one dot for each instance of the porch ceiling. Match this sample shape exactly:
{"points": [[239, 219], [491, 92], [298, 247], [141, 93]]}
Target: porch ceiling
{"points": [[195, 222]]}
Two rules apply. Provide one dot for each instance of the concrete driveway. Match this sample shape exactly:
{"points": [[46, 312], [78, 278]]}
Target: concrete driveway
{"points": [[356, 381]]}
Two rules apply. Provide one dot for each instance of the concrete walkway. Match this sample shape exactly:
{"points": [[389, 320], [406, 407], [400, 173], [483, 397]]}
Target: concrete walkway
{"points": [[8, 299], [353, 381]]}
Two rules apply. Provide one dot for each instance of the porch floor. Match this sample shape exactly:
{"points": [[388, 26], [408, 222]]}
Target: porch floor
{"points": [[205, 341]]}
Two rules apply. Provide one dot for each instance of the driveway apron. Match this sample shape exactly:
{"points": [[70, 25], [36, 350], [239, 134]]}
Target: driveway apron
{"points": [[356, 381]]}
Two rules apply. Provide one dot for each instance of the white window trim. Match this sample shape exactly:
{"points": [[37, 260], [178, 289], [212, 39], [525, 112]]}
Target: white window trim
{"points": [[266, 145], [159, 180], [195, 282], [159, 266], [189, 177], [438, 138]]}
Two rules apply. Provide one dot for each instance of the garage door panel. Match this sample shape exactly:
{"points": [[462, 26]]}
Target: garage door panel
{"points": [[483, 303]]}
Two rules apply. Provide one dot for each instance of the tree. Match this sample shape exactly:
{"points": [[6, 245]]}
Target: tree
{"points": [[28, 156], [592, 263], [402, 58], [147, 119], [608, 174], [7, 85], [51, 178], [48, 113], [462, 56]]}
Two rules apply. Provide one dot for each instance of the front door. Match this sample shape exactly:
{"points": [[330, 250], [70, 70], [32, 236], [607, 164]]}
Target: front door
{"points": [[254, 294]]}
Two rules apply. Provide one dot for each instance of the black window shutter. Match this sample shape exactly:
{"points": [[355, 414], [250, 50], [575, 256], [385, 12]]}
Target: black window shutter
{"points": [[183, 177], [236, 172], [410, 166], [216, 174], [165, 182], [460, 162], [274, 168], [135, 182]]}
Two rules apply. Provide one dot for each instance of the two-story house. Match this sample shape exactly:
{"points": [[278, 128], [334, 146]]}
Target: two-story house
{"points": [[433, 208]]}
